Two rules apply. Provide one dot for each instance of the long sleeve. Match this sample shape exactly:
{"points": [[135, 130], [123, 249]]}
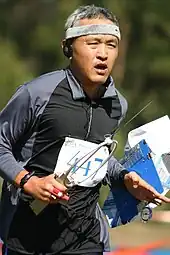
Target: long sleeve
{"points": [[15, 120], [115, 173]]}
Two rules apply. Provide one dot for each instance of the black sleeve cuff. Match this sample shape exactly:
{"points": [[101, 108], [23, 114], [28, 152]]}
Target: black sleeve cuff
{"points": [[118, 183]]}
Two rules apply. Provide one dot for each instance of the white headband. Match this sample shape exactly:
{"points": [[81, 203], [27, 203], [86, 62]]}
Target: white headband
{"points": [[93, 29]]}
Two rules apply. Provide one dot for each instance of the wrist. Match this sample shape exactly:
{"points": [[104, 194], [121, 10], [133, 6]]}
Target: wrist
{"points": [[30, 184], [19, 177], [26, 178], [122, 176]]}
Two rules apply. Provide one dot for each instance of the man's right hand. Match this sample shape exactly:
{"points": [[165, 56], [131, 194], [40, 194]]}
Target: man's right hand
{"points": [[43, 188]]}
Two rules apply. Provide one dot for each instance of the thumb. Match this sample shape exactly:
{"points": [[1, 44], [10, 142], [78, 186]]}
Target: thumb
{"points": [[135, 181]]}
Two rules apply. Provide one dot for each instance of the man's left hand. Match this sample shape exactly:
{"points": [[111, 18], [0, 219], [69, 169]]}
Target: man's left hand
{"points": [[142, 190]]}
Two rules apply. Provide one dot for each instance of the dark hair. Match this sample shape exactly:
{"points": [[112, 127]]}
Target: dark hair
{"points": [[89, 12]]}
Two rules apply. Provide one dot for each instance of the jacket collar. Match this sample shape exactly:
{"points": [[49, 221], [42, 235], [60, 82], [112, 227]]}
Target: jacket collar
{"points": [[78, 92]]}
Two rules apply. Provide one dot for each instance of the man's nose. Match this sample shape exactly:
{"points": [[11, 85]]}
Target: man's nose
{"points": [[102, 52]]}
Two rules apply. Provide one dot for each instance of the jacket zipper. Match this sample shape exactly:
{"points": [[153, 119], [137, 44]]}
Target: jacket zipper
{"points": [[89, 122]]}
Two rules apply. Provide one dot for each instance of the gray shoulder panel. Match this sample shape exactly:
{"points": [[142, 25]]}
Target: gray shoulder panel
{"points": [[41, 88], [13, 121], [19, 115], [124, 105]]}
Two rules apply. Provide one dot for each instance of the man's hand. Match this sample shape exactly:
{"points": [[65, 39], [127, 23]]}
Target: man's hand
{"points": [[142, 190], [46, 189]]}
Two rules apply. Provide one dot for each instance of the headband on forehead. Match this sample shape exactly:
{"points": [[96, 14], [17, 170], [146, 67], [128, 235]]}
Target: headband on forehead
{"points": [[108, 29]]}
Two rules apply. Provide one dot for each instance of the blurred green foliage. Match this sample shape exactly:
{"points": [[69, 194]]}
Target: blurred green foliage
{"points": [[30, 44]]}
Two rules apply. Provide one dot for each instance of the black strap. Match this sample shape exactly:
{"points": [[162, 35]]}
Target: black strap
{"points": [[26, 178]]}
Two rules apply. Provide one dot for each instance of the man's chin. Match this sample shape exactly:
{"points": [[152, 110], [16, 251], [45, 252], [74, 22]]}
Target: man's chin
{"points": [[99, 80]]}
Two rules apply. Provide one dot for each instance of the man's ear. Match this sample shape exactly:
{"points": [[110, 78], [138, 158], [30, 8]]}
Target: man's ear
{"points": [[67, 48]]}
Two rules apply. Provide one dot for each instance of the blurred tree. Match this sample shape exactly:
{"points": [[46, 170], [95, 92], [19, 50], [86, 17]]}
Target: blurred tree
{"points": [[14, 71]]}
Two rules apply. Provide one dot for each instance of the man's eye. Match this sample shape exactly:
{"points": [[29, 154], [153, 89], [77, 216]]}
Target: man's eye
{"points": [[93, 43], [112, 45]]}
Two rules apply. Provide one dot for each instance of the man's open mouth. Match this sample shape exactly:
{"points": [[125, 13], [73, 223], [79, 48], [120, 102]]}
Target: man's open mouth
{"points": [[101, 66]]}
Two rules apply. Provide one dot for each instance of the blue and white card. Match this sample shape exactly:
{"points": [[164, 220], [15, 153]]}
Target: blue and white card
{"points": [[150, 158]]}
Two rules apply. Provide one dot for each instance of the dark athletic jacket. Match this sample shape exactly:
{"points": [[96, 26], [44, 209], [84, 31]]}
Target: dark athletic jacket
{"points": [[33, 126]]}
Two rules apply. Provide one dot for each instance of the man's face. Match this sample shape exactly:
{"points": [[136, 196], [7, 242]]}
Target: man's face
{"points": [[94, 55]]}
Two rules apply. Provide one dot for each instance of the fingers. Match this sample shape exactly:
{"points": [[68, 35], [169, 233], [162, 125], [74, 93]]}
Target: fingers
{"points": [[53, 193], [53, 197], [59, 190], [153, 201], [56, 195], [155, 197], [44, 196], [50, 184], [47, 189], [158, 197], [57, 184], [163, 198], [59, 194], [146, 191], [156, 201]]}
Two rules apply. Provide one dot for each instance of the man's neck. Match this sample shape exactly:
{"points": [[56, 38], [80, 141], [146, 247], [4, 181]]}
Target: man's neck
{"points": [[92, 90]]}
